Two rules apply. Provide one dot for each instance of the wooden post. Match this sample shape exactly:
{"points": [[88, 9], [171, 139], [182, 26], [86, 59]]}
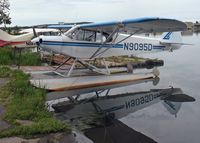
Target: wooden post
{"points": [[14, 54], [20, 53]]}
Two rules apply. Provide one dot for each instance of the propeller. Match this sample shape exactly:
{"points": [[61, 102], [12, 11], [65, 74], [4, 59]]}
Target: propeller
{"points": [[34, 32], [34, 36]]}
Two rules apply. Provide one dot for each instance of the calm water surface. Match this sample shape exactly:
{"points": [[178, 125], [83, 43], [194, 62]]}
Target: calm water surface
{"points": [[181, 70]]}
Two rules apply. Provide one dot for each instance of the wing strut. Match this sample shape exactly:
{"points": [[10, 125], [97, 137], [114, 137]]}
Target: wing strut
{"points": [[63, 63], [109, 37]]}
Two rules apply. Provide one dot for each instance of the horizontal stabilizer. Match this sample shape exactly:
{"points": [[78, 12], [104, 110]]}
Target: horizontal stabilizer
{"points": [[179, 98], [174, 43]]}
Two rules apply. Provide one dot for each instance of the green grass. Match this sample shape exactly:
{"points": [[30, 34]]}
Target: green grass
{"points": [[7, 57], [25, 102], [43, 126]]}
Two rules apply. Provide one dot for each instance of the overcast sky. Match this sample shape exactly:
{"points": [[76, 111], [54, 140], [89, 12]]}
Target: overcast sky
{"points": [[33, 12]]}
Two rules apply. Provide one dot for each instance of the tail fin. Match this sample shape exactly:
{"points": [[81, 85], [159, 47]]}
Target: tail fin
{"points": [[171, 38], [172, 107]]}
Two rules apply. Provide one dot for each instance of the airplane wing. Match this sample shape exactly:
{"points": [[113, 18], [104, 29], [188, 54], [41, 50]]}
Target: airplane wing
{"points": [[60, 26], [139, 25], [30, 30]]}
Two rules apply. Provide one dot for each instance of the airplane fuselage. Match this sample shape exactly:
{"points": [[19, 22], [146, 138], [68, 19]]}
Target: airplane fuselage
{"points": [[19, 41], [85, 49]]}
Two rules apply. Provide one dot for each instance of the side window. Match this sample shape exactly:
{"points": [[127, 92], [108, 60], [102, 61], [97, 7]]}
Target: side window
{"points": [[100, 37], [79, 35], [90, 36], [75, 35], [83, 35], [86, 35]]}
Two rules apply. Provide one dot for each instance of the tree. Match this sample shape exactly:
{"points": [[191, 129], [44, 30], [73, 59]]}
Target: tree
{"points": [[4, 12]]}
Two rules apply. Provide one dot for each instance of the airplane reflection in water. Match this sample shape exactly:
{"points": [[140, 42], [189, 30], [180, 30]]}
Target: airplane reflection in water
{"points": [[97, 116], [123, 104]]}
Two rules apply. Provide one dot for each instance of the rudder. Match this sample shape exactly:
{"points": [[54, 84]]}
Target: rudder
{"points": [[5, 36], [172, 37]]}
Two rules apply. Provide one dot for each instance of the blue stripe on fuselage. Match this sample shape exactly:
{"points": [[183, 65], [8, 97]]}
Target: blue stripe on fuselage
{"points": [[158, 47], [81, 44], [98, 45]]}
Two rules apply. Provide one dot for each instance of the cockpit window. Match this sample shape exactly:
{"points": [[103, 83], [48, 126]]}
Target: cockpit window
{"points": [[87, 35]]}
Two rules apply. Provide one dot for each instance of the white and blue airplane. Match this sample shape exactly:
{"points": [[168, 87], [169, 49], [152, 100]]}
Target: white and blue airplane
{"points": [[100, 40]]}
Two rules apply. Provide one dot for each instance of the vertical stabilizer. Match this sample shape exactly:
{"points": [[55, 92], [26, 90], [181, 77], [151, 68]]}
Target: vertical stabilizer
{"points": [[171, 37], [5, 36]]}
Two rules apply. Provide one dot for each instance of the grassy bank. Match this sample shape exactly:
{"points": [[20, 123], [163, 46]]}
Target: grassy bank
{"points": [[25, 107], [7, 57]]}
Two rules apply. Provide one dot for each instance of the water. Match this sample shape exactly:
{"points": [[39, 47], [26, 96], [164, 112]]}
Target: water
{"points": [[181, 70]]}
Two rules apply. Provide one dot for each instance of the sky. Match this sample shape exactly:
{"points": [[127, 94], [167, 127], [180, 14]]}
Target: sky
{"points": [[35, 12]]}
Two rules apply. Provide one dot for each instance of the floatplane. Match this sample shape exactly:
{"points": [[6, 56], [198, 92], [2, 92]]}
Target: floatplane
{"points": [[92, 41], [87, 42]]}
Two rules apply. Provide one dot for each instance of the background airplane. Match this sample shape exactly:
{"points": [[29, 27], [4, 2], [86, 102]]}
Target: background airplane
{"points": [[25, 36]]}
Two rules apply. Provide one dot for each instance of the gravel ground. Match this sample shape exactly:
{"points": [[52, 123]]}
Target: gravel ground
{"points": [[3, 124], [3, 81]]}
